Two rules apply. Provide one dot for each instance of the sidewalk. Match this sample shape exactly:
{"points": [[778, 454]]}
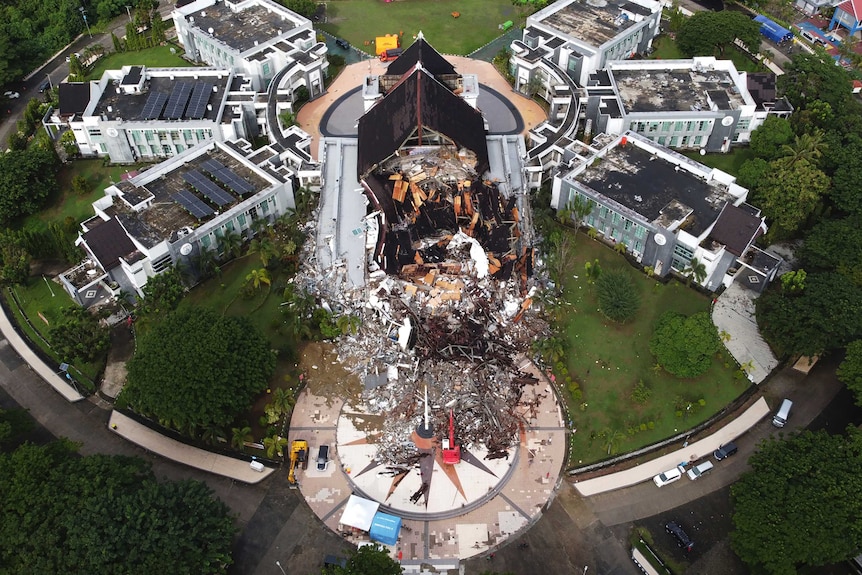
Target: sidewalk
{"points": [[693, 452], [153, 441], [42, 369], [733, 313]]}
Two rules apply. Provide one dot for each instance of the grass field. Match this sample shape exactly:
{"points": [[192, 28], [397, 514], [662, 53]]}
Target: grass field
{"points": [[665, 48], [360, 21], [609, 359], [69, 204], [730, 162], [40, 297], [157, 57]]}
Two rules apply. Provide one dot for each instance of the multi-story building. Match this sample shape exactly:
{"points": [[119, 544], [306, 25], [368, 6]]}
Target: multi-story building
{"points": [[666, 209], [701, 103], [171, 213], [582, 36], [255, 38], [144, 114]]}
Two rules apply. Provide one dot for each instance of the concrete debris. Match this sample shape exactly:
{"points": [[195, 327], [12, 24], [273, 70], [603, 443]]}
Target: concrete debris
{"points": [[449, 303]]}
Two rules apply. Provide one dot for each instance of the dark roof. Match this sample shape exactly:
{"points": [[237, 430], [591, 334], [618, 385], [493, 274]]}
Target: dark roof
{"points": [[133, 77], [108, 242], [419, 102], [74, 97], [420, 51], [736, 228]]}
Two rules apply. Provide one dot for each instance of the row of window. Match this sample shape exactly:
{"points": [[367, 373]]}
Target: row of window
{"points": [[241, 223], [682, 255], [671, 126], [189, 137]]}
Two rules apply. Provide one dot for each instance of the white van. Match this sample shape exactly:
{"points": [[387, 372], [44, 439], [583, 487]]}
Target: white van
{"points": [[782, 414], [699, 470]]}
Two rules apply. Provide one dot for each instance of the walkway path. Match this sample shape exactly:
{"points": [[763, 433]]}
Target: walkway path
{"points": [[733, 313], [686, 454], [154, 441]]}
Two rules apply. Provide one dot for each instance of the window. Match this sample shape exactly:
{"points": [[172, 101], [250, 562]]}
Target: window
{"points": [[264, 207], [229, 226], [627, 224], [653, 126], [206, 241], [242, 220], [662, 140], [698, 140], [166, 150], [94, 132], [616, 219], [682, 255], [665, 126], [149, 135], [603, 212], [679, 126], [640, 231], [162, 264], [591, 221], [638, 247], [136, 137], [187, 135], [266, 69], [674, 141]]}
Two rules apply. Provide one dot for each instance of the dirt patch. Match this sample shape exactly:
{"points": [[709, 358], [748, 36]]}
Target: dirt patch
{"points": [[323, 374], [122, 350]]}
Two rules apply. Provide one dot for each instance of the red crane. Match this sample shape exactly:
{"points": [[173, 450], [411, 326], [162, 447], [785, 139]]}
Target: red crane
{"points": [[451, 452]]}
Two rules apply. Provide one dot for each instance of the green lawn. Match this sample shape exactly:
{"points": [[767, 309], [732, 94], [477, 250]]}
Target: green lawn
{"points": [[69, 204], [730, 162], [665, 48], [42, 303], [360, 21], [158, 57], [609, 359]]}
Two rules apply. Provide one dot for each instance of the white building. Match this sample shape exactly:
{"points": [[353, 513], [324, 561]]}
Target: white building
{"points": [[701, 103], [145, 114], [172, 212], [582, 36], [255, 38]]}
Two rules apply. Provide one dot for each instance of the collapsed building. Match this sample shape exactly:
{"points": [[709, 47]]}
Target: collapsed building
{"points": [[446, 291]]}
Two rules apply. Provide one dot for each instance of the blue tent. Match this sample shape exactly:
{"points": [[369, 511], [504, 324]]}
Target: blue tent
{"points": [[772, 30], [385, 528]]}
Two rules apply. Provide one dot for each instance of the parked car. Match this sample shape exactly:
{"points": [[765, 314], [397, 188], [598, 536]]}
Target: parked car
{"points": [[342, 43], [725, 451], [783, 414], [46, 85], [11, 95], [322, 457], [681, 537], [699, 470], [668, 476]]}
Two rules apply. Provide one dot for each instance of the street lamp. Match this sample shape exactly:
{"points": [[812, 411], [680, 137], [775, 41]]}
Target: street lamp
{"points": [[277, 564], [585, 569], [84, 16], [129, 13], [50, 84]]}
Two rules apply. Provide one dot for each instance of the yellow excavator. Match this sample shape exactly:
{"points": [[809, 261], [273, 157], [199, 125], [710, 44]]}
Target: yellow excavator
{"points": [[298, 457]]}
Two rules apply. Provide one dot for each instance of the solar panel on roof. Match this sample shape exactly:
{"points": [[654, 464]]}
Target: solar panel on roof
{"points": [[202, 184], [153, 106], [236, 183], [198, 103], [194, 205], [178, 100], [212, 166]]}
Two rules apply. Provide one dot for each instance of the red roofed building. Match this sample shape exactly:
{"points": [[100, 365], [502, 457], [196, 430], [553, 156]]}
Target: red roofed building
{"points": [[848, 15]]}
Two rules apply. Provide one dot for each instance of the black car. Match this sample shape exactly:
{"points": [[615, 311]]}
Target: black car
{"points": [[682, 538], [44, 86], [322, 457], [724, 451], [342, 43]]}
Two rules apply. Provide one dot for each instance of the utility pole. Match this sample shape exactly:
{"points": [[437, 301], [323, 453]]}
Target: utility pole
{"points": [[50, 83], [280, 567], [84, 16]]}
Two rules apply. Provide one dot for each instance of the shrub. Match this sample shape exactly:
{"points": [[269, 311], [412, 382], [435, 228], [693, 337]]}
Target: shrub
{"points": [[618, 296], [641, 392], [684, 345]]}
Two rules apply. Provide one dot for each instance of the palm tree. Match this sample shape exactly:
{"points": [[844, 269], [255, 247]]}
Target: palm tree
{"points": [[620, 248], [212, 434], [724, 336], [241, 435], [807, 147], [265, 248], [695, 270], [273, 445], [206, 264], [230, 244], [257, 277], [283, 399]]}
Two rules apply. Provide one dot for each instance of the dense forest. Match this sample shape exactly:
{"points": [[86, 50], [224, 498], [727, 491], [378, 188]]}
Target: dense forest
{"points": [[32, 30]]}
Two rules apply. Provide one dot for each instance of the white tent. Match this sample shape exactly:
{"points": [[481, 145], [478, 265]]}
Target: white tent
{"points": [[359, 512]]}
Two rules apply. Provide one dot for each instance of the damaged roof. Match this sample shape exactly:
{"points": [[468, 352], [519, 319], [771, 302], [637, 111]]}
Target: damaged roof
{"points": [[419, 103]]}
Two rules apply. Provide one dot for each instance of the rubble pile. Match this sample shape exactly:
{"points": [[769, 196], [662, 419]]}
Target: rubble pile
{"points": [[447, 306]]}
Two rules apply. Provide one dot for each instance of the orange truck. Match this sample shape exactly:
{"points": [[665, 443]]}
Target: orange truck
{"points": [[384, 43]]}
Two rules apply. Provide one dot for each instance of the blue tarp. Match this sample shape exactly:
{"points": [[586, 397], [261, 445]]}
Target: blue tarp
{"points": [[385, 528], [772, 30]]}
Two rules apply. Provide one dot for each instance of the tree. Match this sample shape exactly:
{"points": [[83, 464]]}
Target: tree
{"points": [[197, 367], [163, 292], [826, 315], [684, 345], [302, 7], [14, 262], [240, 436], [368, 560], [807, 147], [65, 513], [78, 335], [593, 271], [230, 245], [257, 277], [695, 270], [809, 77], [618, 296], [788, 195], [753, 172], [798, 505], [274, 445], [711, 33], [850, 370], [835, 245], [793, 281], [27, 179], [69, 143], [770, 136]]}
